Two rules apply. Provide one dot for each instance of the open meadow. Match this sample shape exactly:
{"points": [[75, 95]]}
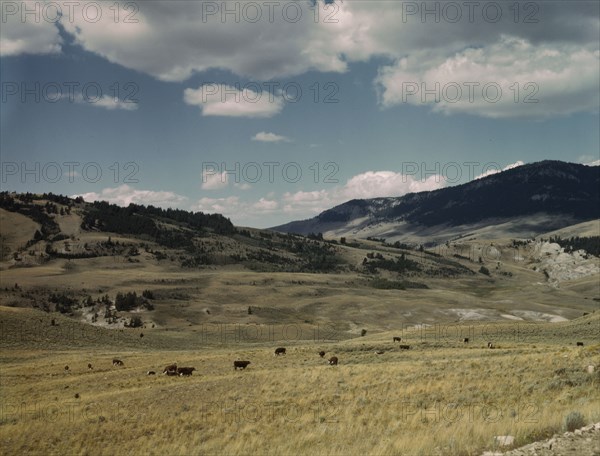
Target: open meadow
{"points": [[441, 396]]}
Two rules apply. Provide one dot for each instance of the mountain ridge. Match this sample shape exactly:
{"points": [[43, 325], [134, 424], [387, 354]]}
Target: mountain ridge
{"points": [[538, 191]]}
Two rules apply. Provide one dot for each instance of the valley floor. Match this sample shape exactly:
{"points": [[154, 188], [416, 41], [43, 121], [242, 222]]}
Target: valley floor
{"points": [[440, 397]]}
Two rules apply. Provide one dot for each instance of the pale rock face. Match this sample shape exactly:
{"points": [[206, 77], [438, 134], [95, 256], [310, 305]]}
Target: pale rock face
{"points": [[504, 440], [562, 266]]}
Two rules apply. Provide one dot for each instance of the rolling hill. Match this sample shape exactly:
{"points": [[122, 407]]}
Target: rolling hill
{"points": [[126, 268]]}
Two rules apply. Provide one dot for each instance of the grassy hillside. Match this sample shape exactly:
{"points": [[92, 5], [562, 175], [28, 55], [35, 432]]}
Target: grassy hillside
{"points": [[591, 228], [222, 275], [440, 397], [15, 230]]}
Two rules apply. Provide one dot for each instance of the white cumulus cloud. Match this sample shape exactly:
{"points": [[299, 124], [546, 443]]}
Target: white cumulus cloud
{"points": [[27, 37], [214, 180], [226, 206], [124, 195], [491, 171], [589, 160], [509, 78], [224, 100], [269, 137]]}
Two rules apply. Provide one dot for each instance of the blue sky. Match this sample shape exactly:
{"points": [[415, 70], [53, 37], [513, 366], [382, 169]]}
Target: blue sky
{"points": [[185, 107]]}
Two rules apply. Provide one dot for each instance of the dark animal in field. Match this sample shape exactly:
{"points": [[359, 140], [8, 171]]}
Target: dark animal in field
{"points": [[117, 362], [397, 339], [379, 352], [466, 340], [404, 347], [240, 364], [185, 371], [580, 344], [280, 351], [66, 368], [490, 345], [141, 334], [90, 366], [170, 368], [151, 373], [333, 361], [321, 354]]}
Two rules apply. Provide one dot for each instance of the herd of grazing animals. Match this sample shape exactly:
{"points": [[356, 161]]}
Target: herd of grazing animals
{"points": [[173, 370]]}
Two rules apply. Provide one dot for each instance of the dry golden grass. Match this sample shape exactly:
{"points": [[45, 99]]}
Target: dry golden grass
{"points": [[440, 397]]}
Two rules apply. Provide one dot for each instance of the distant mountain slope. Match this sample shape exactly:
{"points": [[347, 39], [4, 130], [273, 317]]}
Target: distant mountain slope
{"points": [[527, 200], [584, 229]]}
